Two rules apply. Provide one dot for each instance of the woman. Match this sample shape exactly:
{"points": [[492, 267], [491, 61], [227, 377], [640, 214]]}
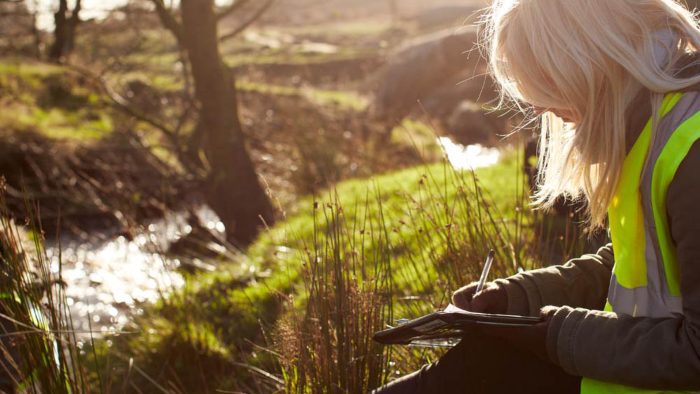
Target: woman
{"points": [[616, 85]]}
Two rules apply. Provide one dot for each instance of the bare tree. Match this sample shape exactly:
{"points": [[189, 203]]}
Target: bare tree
{"points": [[233, 188], [66, 22]]}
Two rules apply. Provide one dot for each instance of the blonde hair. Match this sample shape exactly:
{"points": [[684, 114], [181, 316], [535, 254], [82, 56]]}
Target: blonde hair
{"points": [[590, 58]]}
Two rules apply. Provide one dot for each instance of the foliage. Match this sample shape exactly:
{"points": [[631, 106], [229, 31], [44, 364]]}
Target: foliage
{"points": [[39, 346], [328, 346], [52, 101]]}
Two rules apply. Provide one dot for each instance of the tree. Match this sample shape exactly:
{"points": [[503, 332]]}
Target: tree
{"points": [[233, 189], [66, 22]]}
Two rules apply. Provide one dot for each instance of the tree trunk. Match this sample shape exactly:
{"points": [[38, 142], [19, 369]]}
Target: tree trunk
{"points": [[234, 191], [64, 31], [35, 32]]}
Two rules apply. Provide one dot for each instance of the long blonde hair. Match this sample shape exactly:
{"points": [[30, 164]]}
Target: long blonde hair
{"points": [[589, 58]]}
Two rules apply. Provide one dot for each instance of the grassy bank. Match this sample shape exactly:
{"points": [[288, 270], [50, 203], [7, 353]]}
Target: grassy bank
{"points": [[310, 292]]}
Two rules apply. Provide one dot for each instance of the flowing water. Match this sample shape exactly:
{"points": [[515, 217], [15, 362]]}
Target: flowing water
{"points": [[109, 281], [468, 157]]}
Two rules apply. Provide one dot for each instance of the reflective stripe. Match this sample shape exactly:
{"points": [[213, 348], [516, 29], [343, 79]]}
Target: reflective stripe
{"points": [[626, 213], [686, 107], [640, 286], [645, 279], [590, 386], [640, 301], [667, 165]]}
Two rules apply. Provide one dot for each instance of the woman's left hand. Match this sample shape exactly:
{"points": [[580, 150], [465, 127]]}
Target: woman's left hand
{"points": [[529, 338]]}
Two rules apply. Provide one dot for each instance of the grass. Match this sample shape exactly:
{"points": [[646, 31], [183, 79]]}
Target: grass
{"points": [[292, 58], [39, 346], [367, 27], [375, 254], [51, 101], [296, 312], [392, 245], [346, 100]]}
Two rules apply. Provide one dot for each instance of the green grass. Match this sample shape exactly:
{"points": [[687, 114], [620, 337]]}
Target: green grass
{"points": [[291, 57], [368, 27], [27, 70], [434, 237], [39, 346], [52, 101], [347, 100]]}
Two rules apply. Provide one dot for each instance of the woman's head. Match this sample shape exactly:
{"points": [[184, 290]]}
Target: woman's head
{"points": [[585, 61]]}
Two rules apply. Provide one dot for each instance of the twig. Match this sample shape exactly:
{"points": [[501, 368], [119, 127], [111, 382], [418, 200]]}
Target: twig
{"points": [[237, 4], [168, 20], [247, 23]]}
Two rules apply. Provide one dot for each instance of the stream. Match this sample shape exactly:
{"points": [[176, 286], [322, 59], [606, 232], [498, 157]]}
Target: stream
{"points": [[108, 282]]}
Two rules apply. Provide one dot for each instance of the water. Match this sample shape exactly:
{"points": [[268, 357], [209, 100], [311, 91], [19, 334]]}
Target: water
{"points": [[108, 282], [468, 157]]}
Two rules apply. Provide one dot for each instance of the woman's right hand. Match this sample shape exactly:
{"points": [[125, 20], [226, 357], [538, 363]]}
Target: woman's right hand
{"points": [[491, 299]]}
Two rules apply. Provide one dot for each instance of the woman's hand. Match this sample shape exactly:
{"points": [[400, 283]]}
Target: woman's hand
{"points": [[491, 299]]}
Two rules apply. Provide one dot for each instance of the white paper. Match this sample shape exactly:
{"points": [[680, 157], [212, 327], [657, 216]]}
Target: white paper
{"points": [[451, 309]]}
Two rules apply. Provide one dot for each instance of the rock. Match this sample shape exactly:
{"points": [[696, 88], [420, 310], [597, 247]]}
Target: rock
{"points": [[445, 17], [470, 124], [415, 71]]}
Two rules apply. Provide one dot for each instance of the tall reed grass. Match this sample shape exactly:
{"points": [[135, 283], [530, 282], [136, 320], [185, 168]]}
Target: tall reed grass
{"points": [[368, 264], [39, 347], [372, 256], [327, 347]]}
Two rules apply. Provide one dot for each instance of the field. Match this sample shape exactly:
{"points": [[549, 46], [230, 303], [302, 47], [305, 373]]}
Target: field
{"points": [[341, 119]]}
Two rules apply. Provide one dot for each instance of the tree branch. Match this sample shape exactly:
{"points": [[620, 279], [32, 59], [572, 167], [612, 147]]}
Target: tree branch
{"points": [[75, 14], [237, 5], [118, 101], [247, 23], [168, 20]]}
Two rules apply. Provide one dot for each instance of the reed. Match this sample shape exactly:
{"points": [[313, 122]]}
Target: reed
{"points": [[327, 347], [369, 263], [40, 352]]}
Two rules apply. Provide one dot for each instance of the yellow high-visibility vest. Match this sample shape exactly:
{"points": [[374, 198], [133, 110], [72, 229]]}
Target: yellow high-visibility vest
{"points": [[645, 280]]}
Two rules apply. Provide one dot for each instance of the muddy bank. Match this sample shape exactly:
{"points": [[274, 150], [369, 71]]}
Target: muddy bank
{"points": [[102, 187]]}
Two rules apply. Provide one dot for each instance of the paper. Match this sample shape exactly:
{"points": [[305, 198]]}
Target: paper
{"points": [[452, 309]]}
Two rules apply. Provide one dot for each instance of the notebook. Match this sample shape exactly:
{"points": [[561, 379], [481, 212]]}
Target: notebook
{"points": [[450, 323]]}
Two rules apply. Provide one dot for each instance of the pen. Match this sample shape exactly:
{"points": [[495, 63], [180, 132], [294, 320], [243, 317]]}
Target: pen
{"points": [[485, 271]]}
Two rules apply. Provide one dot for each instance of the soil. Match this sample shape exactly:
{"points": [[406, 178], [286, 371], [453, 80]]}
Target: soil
{"points": [[300, 147], [82, 190]]}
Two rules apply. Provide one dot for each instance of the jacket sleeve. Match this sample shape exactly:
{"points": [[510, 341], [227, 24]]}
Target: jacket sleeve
{"points": [[581, 282], [650, 353]]}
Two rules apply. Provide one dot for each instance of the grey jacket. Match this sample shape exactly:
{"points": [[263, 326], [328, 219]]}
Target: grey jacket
{"points": [[651, 353]]}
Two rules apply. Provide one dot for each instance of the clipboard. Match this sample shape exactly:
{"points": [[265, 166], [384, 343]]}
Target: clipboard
{"points": [[450, 323]]}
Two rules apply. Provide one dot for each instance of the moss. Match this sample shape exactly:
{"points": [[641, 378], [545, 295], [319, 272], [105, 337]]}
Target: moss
{"points": [[241, 303], [346, 100], [419, 135], [52, 101]]}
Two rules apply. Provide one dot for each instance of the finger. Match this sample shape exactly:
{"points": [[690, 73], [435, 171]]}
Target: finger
{"points": [[485, 300], [462, 297], [481, 303], [548, 311], [462, 300]]}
